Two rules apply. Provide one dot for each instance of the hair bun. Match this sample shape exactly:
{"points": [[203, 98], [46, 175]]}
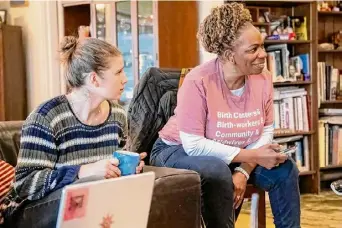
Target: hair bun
{"points": [[220, 28], [68, 46]]}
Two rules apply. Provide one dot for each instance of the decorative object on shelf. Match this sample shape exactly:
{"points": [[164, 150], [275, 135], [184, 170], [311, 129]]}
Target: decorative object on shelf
{"points": [[299, 26], [326, 46], [261, 19], [294, 73], [273, 37], [339, 5], [3, 14], [323, 6], [263, 32], [281, 28], [336, 9], [337, 40], [266, 15], [329, 6]]}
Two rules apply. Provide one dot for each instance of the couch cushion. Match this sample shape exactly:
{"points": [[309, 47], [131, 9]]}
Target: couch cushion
{"points": [[9, 141], [176, 200]]}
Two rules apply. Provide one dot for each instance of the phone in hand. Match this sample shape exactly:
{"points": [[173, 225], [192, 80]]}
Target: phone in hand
{"points": [[289, 150]]}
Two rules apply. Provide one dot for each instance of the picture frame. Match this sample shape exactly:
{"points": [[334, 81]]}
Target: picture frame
{"points": [[3, 15], [19, 3]]}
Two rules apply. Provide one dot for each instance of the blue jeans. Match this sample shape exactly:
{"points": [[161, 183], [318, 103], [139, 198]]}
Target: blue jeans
{"points": [[218, 190]]}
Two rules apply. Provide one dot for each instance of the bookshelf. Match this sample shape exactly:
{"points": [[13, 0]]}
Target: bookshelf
{"points": [[322, 13], [332, 167], [329, 51], [307, 46], [277, 84], [286, 133], [332, 102], [329, 95], [288, 41]]}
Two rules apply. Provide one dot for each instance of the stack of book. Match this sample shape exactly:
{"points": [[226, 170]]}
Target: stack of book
{"points": [[291, 109], [330, 88], [330, 137]]}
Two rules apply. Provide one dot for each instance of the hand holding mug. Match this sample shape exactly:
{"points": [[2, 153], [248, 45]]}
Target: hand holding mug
{"points": [[141, 165], [107, 168]]}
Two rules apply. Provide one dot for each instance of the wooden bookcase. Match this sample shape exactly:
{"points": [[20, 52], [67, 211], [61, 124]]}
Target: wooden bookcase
{"points": [[309, 180], [327, 24]]}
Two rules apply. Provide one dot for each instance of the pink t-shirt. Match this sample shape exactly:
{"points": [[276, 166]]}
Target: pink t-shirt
{"points": [[206, 107]]}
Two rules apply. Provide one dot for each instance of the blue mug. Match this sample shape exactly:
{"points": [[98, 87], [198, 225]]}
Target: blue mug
{"points": [[128, 161]]}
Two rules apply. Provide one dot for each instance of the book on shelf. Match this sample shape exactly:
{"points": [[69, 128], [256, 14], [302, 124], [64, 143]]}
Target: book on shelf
{"points": [[329, 78], [284, 68], [330, 112], [330, 140], [291, 109], [301, 156]]}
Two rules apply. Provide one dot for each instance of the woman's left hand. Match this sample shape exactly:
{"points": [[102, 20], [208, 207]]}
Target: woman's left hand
{"points": [[142, 163], [240, 183]]}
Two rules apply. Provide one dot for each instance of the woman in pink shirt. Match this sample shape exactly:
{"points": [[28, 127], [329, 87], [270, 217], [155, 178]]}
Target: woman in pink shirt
{"points": [[223, 124]]}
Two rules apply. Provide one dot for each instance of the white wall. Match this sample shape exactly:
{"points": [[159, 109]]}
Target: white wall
{"points": [[39, 38], [204, 9]]}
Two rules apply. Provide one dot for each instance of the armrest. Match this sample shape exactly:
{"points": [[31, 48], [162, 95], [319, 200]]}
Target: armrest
{"points": [[163, 172], [176, 200]]}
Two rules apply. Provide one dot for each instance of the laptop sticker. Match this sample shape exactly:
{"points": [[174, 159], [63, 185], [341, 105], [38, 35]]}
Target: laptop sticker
{"points": [[107, 221], [76, 204]]}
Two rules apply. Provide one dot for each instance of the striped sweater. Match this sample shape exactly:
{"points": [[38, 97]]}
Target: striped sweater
{"points": [[54, 144]]}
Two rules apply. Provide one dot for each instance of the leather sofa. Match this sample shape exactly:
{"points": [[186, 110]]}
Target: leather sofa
{"points": [[176, 196]]}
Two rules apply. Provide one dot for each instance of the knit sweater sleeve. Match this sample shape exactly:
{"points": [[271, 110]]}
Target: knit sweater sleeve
{"points": [[120, 117], [36, 171]]}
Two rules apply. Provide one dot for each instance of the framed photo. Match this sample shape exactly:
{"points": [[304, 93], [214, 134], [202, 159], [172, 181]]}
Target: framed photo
{"points": [[19, 3], [2, 16]]}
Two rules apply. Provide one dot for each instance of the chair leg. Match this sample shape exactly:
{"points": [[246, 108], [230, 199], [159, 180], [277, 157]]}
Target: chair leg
{"points": [[262, 210]]}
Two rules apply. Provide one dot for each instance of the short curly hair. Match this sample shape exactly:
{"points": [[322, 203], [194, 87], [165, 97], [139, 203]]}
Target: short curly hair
{"points": [[221, 27]]}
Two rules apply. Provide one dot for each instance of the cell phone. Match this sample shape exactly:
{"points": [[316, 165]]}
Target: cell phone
{"points": [[288, 150]]}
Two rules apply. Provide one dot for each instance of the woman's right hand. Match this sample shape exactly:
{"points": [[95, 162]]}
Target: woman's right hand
{"points": [[107, 168], [268, 157]]}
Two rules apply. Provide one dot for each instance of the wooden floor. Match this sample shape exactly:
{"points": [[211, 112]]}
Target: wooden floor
{"points": [[318, 211]]}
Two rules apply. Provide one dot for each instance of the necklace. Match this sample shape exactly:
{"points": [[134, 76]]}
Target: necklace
{"points": [[79, 116]]}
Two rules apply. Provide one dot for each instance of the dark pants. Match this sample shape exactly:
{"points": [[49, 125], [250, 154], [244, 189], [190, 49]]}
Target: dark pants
{"points": [[41, 213], [218, 190]]}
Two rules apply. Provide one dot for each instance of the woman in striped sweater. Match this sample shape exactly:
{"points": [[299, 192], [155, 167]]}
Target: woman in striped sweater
{"points": [[71, 136]]}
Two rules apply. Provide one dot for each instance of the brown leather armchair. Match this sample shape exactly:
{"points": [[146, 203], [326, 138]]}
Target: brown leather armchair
{"points": [[176, 196]]}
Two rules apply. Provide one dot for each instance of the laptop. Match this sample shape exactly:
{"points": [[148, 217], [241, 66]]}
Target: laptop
{"points": [[121, 202]]}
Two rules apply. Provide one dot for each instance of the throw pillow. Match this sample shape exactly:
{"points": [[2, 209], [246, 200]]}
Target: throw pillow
{"points": [[6, 178]]}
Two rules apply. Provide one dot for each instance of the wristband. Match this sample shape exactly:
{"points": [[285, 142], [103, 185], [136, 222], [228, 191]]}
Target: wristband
{"points": [[241, 170]]}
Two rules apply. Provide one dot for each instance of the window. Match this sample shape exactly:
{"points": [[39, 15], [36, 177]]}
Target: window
{"points": [[126, 24]]}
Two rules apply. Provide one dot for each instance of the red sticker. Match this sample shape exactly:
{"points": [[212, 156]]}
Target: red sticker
{"points": [[76, 204]]}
